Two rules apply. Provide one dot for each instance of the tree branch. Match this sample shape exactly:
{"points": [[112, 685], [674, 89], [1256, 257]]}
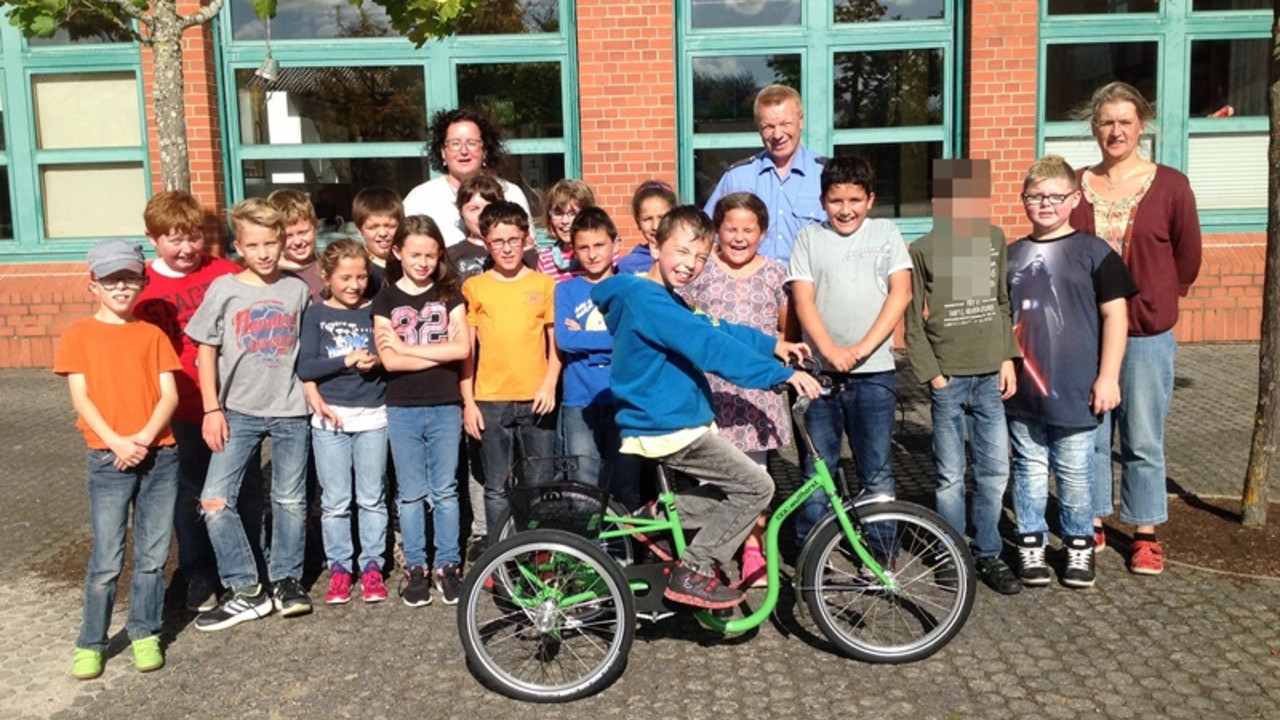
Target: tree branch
{"points": [[204, 15], [132, 11]]}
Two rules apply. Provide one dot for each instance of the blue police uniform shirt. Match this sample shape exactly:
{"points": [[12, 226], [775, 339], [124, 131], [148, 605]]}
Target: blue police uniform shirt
{"points": [[793, 201]]}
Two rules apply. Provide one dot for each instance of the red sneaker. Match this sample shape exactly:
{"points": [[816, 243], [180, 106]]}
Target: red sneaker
{"points": [[339, 586], [372, 587], [1099, 539], [1147, 558]]}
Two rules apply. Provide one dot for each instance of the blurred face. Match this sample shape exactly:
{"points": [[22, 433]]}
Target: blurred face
{"points": [[470, 213], [681, 258], [652, 210], [260, 247], [847, 206], [1118, 129], [780, 127], [562, 217], [181, 250], [118, 291], [593, 250], [348, 281], [463, 150], [419, 256], [740, 235], [506, 247], [379, 231], [1038, 200], [300, 242]]}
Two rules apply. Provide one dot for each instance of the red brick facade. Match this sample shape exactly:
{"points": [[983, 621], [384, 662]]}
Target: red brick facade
{"points": [[627, 91]]}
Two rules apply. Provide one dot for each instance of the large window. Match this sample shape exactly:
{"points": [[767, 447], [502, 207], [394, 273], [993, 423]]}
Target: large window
{"points": [[1203, 63], [73, 164], [350, 105], [878, 79]]}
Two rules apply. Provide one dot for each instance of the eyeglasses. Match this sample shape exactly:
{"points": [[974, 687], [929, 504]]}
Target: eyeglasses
{"points": [[457, 144], [133, 283], [1040, 200], [504, 244], [562, 213]]}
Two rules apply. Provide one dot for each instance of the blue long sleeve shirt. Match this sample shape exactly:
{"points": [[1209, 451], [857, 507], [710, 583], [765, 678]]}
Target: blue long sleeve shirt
{"points": [[662, 350], [327, 336], [587, 351]]}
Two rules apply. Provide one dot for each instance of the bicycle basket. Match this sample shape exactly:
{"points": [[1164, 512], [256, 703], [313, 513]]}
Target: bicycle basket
{"points": [[559, 493]]}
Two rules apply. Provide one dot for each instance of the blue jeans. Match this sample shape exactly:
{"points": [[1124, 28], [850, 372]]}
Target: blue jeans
{"points": [[1036, 447], [424, 447], [971, 401], [290, 441], [1146, 390], [195, 553], [340, 456], [590, 431], [150, 487], [506, 425], [863, 409]]}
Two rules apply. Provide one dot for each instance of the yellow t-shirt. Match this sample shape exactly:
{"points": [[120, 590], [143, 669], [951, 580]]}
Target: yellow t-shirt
{"points": [[511, 319]]}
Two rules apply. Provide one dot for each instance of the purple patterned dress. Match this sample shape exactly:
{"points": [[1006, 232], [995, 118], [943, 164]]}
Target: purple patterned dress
{"points": [[752, 420]]}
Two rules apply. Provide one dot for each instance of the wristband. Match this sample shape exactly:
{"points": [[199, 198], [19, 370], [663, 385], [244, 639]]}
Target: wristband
{"points": [[210, 412]]}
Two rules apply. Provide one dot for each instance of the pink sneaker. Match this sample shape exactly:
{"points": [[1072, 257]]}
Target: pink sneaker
{"points": [[371, 585], [754, 571], [339, 586]]}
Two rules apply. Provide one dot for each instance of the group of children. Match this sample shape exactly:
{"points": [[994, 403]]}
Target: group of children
{"points": [[405, 344]]}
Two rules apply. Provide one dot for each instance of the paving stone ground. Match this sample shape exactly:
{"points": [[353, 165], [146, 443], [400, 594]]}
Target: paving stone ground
{"points": [[1187, 644]]}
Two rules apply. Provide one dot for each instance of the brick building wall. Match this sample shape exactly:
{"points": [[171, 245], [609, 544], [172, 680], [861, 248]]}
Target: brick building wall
{"points": [[627, 91]]}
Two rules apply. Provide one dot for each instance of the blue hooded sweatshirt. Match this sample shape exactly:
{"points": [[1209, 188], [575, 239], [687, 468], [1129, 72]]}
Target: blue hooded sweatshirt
{"points": [[661, 348]]}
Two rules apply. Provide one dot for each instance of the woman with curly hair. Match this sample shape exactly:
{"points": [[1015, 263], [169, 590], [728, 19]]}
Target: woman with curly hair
{"points": [[463, 144]]}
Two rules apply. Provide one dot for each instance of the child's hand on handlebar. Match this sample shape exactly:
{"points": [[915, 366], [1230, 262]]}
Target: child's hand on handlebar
{"points": [[789, 351], [805, 384]]}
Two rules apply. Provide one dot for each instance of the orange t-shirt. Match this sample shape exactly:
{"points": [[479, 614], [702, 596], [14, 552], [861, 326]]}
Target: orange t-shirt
{"points": [[121, 365], [511, 319]]}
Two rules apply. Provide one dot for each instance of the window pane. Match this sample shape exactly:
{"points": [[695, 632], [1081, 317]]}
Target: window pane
{"points": [[2, 140], [496, 17], [535, 174], [93, 200], [332, 182], [904, 174], [80, 28], [1229, 77], [853, 11], [725, 88], [524, 98], [1079, 69], [897, 88], [333, 104], [709, 165], [1208, 5], [6, 212], [715, 14], [1240, 183], [1099, 7], [312, 21], [86, 110]]}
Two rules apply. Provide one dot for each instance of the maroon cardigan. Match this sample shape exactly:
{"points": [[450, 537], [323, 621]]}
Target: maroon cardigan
{"points": [[1163, 252]]}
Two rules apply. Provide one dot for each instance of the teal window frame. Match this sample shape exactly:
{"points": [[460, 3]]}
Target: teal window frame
{"points": [[19, 63], [439, 60], [816, 37], [1173, 27]]}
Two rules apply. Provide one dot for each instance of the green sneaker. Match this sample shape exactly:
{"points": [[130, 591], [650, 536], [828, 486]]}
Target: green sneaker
{"points": [[147, 655], [86, 664]]}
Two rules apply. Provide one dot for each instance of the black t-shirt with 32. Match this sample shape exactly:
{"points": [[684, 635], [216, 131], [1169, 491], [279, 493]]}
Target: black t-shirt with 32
{"points": [[421, 319]]}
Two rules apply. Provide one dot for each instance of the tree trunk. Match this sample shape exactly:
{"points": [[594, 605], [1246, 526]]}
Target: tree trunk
{"points": [[1263, 448], [170, 103]]}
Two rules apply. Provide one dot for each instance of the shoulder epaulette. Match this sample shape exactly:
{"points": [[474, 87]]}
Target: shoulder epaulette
{"points": [[743, 162], [821, 160]]}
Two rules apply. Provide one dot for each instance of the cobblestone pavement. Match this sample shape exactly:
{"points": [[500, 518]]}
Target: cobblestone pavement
{"points": [[1187, 644]]}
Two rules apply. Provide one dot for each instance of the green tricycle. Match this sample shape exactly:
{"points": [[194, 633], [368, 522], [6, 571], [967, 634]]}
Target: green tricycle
{"points": [[549, 612]]}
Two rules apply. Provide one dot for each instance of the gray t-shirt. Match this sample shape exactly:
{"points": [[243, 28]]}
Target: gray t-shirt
{"points": [[850, 274], [256, 329]]}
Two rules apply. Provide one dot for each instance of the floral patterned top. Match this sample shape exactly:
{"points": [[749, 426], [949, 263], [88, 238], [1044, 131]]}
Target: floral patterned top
{"points": [[753, 420], [1113, 220]]}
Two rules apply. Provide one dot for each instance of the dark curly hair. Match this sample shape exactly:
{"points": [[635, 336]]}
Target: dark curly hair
{"points": [[490, 135]]}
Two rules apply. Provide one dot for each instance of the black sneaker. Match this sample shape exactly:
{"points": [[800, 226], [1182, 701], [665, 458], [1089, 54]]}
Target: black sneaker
{"points": [[476, 545], [238, 606], [415, 590], [1031, 565], [689, 587], [449, 583], [998, 576], [201, 594], [1079, 571], [289, 598]]}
